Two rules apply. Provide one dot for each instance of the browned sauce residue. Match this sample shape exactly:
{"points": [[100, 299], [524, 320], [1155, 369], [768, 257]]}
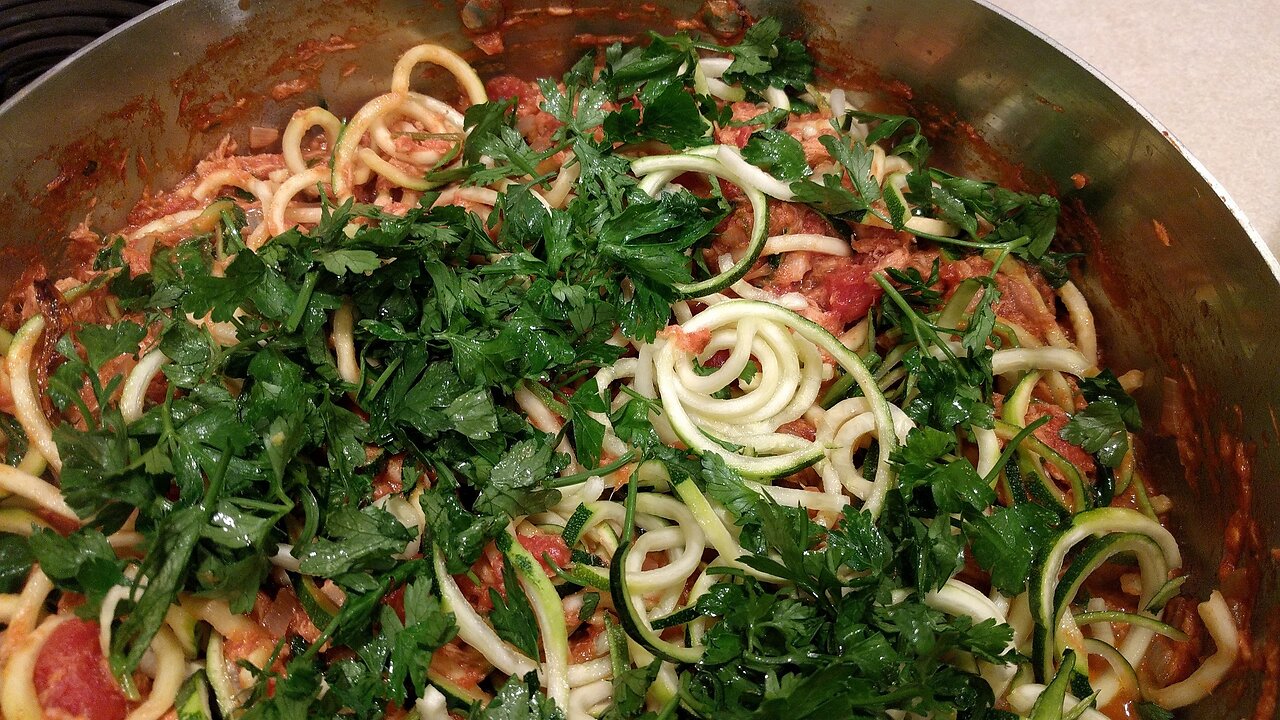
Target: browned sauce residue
{"points": [[289, 88], [1161, 233]]}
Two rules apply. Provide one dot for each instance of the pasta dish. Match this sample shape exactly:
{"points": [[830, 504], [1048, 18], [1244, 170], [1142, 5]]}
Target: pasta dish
{"points": [[676, 386]]}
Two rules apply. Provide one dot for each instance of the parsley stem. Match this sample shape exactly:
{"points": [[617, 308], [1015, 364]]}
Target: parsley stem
{"points": [[310, 516], [263, 505], [548, 398], [585, 475], [629, 521], [790, 659], [668, 711], [839, 390], [922, 329], [382, 380], [90, 286], [73, 396], [944, 240], [1012, 446], [1004, 254], [304, 298]]}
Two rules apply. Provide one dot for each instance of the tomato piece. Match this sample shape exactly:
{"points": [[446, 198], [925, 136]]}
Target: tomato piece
{"points": [[395, 601], [583, 646], [510, 86], [488, 569], [851, 294], [800, 428], [391, 479], [1049, 434], [717, 360], [544, 546], [462, 664], [71, 676]]}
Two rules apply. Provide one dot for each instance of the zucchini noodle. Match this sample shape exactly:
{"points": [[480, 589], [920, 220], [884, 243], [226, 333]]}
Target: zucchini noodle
{"points": [[17, 686], [1081, 321], [344, 345], [1222, 628], [26, 405], [301, 122], [134, 393]]}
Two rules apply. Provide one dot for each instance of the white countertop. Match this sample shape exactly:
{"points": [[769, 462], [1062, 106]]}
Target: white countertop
{"points": [[1210, 71]]}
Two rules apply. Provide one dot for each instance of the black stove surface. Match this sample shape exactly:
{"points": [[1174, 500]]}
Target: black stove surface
{"points": [[35, 35]]}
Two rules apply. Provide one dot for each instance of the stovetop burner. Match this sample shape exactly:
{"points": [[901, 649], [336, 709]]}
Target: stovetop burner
{"points": [[35, 35]]}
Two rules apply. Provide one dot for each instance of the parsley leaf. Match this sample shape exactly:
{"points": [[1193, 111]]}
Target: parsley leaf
{"points": [[516, 485], [1105, 386], [765, 58], [512, 615], [862, 546], [1100, 429], [674, 118], [104, 342], [1007, 542], [778, 153], [16, 558], [727, 487], [460, 535], [588, 433], [358, 539], [519, 699], [340, 262], [81, 562], [630, 689]]}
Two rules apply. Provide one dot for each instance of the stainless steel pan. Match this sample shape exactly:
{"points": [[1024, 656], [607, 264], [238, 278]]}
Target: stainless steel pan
{"points": [[1181, 288]]}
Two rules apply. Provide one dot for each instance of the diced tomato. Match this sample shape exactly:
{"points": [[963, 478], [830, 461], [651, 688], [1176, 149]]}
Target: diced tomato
{"points": [[395, 712], [463, 665], [693, 343], [738, 135], [583, 647], [488, 572], [71, 676], [718, 359], [851, 294], [1170, 661], [69, 601], [488, 569], [284, 616], [800, 428], [786, 218], [391, 479], [534, 123], [1030, 307], [953, 273], [544, 546], [808, 130], [1049, 435], [510, 86], [395, 601]]}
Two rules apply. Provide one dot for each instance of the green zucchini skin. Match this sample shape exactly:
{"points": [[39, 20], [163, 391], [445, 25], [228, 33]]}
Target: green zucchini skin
{"points": [[635, 626]]}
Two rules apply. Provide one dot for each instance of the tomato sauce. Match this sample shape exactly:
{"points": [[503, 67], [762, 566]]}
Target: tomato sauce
{"points": [[548, 549]]}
